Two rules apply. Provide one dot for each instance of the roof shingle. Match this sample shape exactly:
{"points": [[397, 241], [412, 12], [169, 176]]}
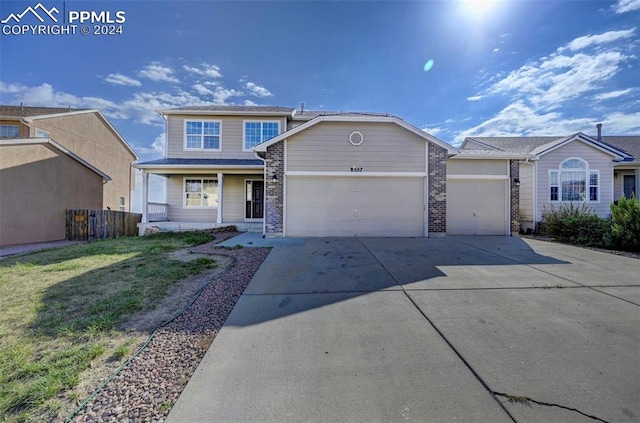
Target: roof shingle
{"points": [[25, 111]]}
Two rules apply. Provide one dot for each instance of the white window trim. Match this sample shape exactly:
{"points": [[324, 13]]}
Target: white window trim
{"points": [[588, 171], [184, 193], [253, 219], [184, 135], [40, 133], [122, 204], [244, 133]]}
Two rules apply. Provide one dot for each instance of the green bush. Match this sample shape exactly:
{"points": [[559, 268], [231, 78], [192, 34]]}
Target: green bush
{"points": [[625, 227], [576, 224]]}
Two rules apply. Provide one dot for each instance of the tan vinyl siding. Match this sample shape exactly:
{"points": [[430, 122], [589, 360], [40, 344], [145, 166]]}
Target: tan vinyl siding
{"points": [[526, 192], [175, 198], [231, 138], [88, 136], [326, 147], [476, 167], [233, 208], [596, 159]]}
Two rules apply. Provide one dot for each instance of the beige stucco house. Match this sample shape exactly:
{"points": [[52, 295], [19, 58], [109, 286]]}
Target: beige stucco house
{"points": [[287, 172], [557, 170], [52, 159]]}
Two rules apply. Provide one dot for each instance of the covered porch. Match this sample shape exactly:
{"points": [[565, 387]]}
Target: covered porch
{"points": [[204, 194]]}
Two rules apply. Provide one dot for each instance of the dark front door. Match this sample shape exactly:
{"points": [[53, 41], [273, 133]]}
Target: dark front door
{"points": [[254, 203], [629, 185]]}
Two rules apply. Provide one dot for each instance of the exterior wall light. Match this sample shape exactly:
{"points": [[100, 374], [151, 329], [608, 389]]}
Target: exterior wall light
{"points": [[275, 178], [516, 182]]}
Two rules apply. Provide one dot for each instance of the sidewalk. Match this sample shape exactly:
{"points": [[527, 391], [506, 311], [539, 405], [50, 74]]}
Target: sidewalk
{"points": [[27, 248]]}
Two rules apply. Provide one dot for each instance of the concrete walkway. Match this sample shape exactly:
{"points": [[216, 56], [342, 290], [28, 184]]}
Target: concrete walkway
{"points": [[27, 248], [483, 329], [255, 239]]}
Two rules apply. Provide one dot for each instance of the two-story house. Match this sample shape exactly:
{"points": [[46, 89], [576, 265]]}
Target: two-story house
{"points": [[288, 172], [57, 158]]}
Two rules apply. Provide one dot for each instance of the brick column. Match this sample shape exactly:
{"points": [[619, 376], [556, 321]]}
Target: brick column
{"points": [[274, 192], [514, 173], [437, 225]]}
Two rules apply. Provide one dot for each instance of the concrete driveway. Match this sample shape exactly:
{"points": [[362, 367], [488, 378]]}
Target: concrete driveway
{"points": [[459, 329]]}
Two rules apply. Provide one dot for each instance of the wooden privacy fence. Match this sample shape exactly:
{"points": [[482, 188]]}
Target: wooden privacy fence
{"points": [[88, 225]]}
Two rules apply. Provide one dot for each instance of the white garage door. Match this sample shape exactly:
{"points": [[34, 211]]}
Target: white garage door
{"points": [[476, 207], [354, 206]]}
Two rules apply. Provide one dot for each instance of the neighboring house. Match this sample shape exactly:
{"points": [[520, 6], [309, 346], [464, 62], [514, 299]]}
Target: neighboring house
{"points": [[57, 158], [39, 179], [86, 133], [571, 169], [285, 172]]}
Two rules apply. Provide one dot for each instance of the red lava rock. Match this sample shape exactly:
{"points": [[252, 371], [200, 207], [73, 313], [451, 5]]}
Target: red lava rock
{"points": [[160, 372]]}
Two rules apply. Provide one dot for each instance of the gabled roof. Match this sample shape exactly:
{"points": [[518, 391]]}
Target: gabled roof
{"points": [[24, 111], [229, 110], [199, 163], [29, 114], [538, 146], [630, 144], [52, 143], [356, 118]]}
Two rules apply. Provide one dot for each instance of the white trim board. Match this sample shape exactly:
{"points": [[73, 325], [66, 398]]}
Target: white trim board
{"points": [[359, 174]]}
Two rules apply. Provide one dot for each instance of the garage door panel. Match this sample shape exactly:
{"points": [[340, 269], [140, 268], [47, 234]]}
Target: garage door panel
{"points": [[348, 206], [476, 207]]}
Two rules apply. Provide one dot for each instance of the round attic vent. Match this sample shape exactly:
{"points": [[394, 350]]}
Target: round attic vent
{"points": [[356, 138]]}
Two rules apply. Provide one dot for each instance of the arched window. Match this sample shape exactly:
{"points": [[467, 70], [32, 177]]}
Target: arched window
{"points": [[573, 181]]}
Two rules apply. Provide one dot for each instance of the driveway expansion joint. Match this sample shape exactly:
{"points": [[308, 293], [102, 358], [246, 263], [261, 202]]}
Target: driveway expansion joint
{"points": [[516, 399]]}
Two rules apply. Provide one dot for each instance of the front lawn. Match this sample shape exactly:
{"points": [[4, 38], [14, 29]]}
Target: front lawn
{"points": [[62, 310]]}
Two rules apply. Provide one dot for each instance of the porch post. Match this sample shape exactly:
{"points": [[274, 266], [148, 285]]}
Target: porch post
{"points": [[145, 196], [637, 184], [220, 179]]}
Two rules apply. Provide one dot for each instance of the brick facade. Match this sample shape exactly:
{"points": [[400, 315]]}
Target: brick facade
{"points": [[274, 191], [514, 173], [437, 224]]}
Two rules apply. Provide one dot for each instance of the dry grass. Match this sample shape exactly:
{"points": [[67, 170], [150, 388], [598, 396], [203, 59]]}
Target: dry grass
{"points": [[61, 310]]}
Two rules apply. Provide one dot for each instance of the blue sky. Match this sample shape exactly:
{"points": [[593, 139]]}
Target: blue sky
{"points": [[499, 67]]}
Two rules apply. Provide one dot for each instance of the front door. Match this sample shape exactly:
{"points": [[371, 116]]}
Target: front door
{"points": [[254, 200], [629, 185]]}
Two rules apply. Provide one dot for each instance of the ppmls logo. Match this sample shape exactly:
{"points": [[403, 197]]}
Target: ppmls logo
{"points": [[49, 21], [34, 11]]}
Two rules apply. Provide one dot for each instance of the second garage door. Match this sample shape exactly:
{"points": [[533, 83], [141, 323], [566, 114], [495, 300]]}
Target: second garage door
{"points": [[476, 207], [354, 206]]}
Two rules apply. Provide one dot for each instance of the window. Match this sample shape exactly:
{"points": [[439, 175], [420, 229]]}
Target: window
{"points": [[574, 182], [9, 131], [122, 204], [201, 135], [258, 132], [200, 192], [42, 134]]}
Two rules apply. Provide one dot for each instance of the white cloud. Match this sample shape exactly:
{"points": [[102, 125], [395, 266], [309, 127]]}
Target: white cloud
{"points": [[157, 146], [474, 98], [518, 119], [606, 37], [495, 50], [120, 79], [257, 90], [45, 95], [221, 94], [250, 103], [613, 94], [553, 80], [202, 90], [621, 123], [212, 71], [433, 131], [156, 72], [623, 6]]}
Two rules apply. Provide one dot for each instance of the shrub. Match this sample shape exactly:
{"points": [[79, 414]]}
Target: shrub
{"points": [[576, 224], [625, 227]]}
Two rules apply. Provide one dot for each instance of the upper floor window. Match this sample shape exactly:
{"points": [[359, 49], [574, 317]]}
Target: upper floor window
{"points": [[42, 134], [9, 131], [573, 181], [202, 135], [257, 132]]}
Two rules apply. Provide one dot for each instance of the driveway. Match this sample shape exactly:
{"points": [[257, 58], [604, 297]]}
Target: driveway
{"points": [[458, 329]]}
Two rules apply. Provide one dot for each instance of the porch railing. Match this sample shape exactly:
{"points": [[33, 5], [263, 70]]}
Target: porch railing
{"points": [[157, 212]]}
